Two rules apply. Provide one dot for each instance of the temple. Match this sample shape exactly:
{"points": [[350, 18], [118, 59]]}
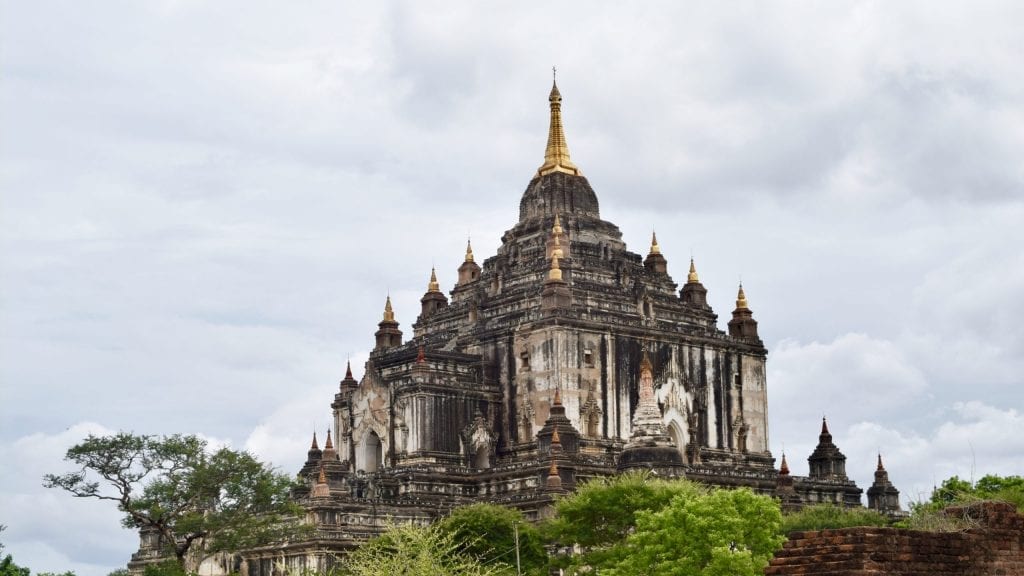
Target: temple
{"points": [[563, 357]]}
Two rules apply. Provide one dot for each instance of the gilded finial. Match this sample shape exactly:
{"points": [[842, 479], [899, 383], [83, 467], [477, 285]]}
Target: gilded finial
{"points": [[692, 277], [322, 477], [469, 251], [433, 286], [553, 471], [314, 445], [558, 397], [389, 313], [557, 228], [784, 469], [328, 445], [741, 299], [555, 438], [555, 274], [556, 156], [655, 249]]}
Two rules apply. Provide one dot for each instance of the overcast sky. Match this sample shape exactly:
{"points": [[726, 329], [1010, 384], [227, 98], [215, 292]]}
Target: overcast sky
{"points": [[205, 203]]}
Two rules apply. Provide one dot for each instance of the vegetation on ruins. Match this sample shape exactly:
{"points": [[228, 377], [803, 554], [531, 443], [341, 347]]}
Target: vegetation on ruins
{"points": [[199, 501], [931, 514], [827, 516]]}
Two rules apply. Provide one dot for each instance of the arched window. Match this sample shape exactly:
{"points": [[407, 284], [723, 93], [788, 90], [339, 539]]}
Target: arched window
{"points": [[677, 438], [372, 452]]}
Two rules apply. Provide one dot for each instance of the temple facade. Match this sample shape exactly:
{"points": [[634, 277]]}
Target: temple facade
{"points": [[562, 357]]}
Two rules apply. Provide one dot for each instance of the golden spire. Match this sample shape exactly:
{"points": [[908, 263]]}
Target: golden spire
{"points": [[321, 478], [433, 285], [558, 397], [555, 438], [692, 277], [880, 467], [328, 445], [314, 446], [555, 274], [741, 299], [469, 251], [556, 157], [655, 249], [389, 314], [784, 469], [557, 228]]}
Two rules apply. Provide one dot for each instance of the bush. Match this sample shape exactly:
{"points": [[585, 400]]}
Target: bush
{"points": [[826, 516]]}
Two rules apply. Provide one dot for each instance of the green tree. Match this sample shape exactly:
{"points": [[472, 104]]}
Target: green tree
{"points": [[723, 532], [488, 532], [200, 502], [414, 551], [7, 565], [598, 517]]}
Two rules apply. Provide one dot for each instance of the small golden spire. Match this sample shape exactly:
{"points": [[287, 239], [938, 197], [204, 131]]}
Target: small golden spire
{"points": [[328, 445], [555, 438], [433, 286], [784, 469], [314, 446], [555, 274], [557, 228], [558, 397], [469, 251], [389, 313], [322, 478], [556, 249], [655, 249], [741, 299], [553, 473], [556, 156], [880, 467], [692, 277]]}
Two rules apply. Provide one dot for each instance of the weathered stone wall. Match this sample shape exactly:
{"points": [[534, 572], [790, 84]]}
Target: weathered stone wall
{"points": [[994, 546]]}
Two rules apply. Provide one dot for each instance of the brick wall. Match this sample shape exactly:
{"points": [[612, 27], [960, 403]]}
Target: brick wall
{"points": [[993, 546]]}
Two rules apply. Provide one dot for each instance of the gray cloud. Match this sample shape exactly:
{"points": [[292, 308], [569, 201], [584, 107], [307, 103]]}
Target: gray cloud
{"points": [[203, 206]]}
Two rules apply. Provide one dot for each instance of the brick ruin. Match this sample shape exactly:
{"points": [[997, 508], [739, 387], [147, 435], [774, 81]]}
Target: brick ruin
{"points": [[992, 546]]}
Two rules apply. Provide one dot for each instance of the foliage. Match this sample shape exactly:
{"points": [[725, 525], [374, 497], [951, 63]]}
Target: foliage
{"points": [[68, 573], [195, 499], [413, 551], [7, 565], [119, 572], [168, 568], [639, 524], [9, 568], [823, 516], [954, 491], [602, 512], [722, 532], [487, 532]]}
